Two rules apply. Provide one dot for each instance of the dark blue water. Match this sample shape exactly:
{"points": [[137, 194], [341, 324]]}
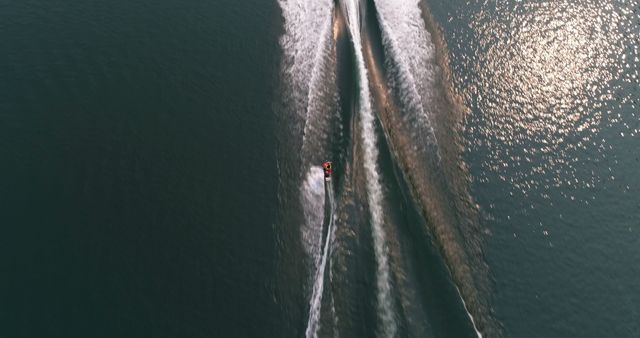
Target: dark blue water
{"points": [[137, 163], [150, 180]]}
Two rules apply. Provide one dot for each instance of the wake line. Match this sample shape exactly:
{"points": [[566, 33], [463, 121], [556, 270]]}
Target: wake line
{"points": [[304, 27], [374, 189], [316, 89], [318, 287], [408, 83], [422, 177]]}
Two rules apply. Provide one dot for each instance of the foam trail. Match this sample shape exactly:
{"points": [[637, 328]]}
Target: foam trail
{"points": [[466, 309], [409, 45], [374, 189], [333, 301], [406, 44], [312, 198], [321, 96], [318, 287], [310, 97], [307, 71], [304, 46], [409, 62]]}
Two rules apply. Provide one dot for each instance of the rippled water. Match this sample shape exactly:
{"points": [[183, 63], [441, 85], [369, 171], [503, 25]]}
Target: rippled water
{"points": [[550, 78], [149, 183], [553, 145]]}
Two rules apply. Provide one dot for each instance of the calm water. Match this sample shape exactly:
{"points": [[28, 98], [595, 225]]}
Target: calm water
{"points": [[137, 162], [154, 179]]}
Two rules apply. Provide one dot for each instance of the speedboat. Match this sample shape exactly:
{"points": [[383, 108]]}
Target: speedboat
{"points": [[328, 170]]}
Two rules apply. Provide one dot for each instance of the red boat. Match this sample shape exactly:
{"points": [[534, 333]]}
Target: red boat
{"points": [[328, 170]]}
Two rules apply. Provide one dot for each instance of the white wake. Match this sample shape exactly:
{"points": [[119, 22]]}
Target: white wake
{"points": [[408, 46], [413, 68], [315, 303], [374, 189], [304, 24], [312, 199]]}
